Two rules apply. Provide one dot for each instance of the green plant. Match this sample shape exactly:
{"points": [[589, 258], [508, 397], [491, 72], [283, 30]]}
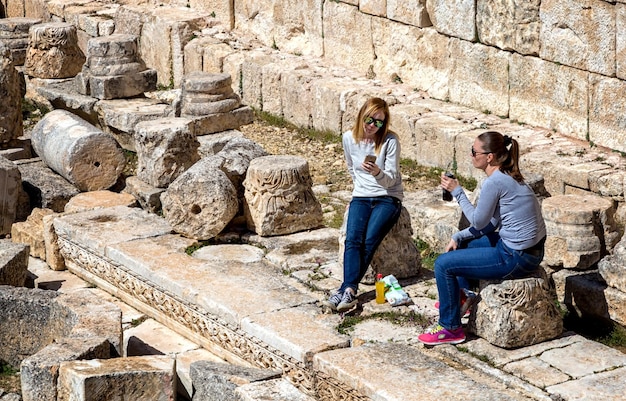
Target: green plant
{"points": [[192, 248], [410, 319], [212, 15], [274, 45], [427, 254], [616, 338], [6, 369]]}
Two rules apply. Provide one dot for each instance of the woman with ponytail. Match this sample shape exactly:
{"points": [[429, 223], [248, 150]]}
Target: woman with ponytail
{"points": [[505, 239]]}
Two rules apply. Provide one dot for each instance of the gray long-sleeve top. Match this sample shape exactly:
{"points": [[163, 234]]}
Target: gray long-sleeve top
{"points": [[388, 182], [507, 204]]}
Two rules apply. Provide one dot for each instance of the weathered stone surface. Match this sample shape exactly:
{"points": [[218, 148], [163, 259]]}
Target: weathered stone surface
{"points": [[122, 86], [532, 99], [409, 12], [45, 188], [279, 198], [54, 259], [517, 313], [454, 18], [612, 268], [396, 255], [218, 122], [479, 76], [205, 93], [275, 388], [215, 381], [53, 51], [30, 232], [10, 182], [14, 35], [165, 149], [579, 34], [509, 25], [13, 263], [214, 143], [606, 112], [97, 200], [201, 201], [119, 117], [596, 387], [138, 378], [11, 124], [206, 54], [580, 230], [149, 197], [84, 155]]}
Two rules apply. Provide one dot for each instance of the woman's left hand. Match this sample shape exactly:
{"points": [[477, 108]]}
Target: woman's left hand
{"points": [[371, 168]]}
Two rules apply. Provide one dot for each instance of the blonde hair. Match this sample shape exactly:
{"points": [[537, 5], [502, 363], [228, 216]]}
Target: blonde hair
{"points": [[369, 108]]}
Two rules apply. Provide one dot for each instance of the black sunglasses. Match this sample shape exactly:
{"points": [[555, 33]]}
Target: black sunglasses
{"points": [[371, 120], [474, 153]]}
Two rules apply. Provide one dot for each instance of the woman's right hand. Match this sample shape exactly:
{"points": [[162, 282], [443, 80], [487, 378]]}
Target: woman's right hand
{"points": [[448, 183], [451, 246]]}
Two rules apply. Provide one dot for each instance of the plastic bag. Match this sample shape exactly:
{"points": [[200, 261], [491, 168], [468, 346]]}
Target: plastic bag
{"points": [[394, 293]]}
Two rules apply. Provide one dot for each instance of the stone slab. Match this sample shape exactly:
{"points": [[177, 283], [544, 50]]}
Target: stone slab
{"points": [[13, 263], [276, 389], [152, 338], [391, 371], [584, 358], [45, 188], [183, 368], [600, 387]]}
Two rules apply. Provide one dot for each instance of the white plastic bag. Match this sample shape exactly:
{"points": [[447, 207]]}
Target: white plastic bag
{"points": [[394, 294]]}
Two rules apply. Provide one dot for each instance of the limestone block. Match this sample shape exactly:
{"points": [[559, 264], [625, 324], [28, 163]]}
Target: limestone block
{"points": [[14, 35], [580, 230], [612, 268], [410, 12], [164, 35], [296, 94], [416, 57], [123, 86], [606, 111], [138, 378], [205, 93], [588, 42], [551, 95], [11, 183], [11, 124], [97, 200], [214, 381], [374, 7], [252, 77], [96, 25], [84, 155], [454, 18], [116, 54], [54, 259], [326, 107], [347, 37], [201, 201], [583, 293], [293, 26], [396, 255], [221, 10], [271, 86], [278, 388], [509, 25], [119, 117], [212, 144], [13, 263], [517, 313], [620, 40], [479, 77], [149, 197], [30, 232], [129, 19], [212, 123], [43, 187], [53, 51], [433, 133], [165, 149], [206, 54], [279, 198]]}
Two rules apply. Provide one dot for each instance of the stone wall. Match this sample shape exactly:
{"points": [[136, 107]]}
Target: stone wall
{"points": [[555, 64]]}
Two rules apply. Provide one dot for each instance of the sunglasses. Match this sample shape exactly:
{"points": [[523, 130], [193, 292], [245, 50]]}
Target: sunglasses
{"points": [[371, 120], [474, 153]]}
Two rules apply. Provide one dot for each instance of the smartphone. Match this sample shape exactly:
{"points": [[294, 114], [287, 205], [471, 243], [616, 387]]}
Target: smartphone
{"points": [[370, 158]]}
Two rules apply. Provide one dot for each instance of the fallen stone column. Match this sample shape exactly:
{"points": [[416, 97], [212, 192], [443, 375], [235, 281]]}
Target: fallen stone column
{"points": [[84, 155], [53, 51], [279, 197]]}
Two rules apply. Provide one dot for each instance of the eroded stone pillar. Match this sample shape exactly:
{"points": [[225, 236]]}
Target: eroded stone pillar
{"points": [[279, 198], [11, 124], [81, 153], [114, 70], [53, 51], [580, 230]]}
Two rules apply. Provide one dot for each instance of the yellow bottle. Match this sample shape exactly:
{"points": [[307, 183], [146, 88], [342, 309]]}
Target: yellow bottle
{"points": [[380, 289]]}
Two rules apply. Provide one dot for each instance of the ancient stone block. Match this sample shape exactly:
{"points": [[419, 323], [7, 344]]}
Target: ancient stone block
{"points": [[517, 313], [509, 25], [53, 51], [215, 381], [396, 255], [454, 18], [409, 12], [279, 198], [139, 378], [14, 34], [11, 124], [201, 201], [212, 123], [165, 149], [30, 232], [149, 197], [44, 188], [588, 43], [540, 100], [54, 259], [84, 155], [606, 111], [13, 263], [612, 268], [97, 200], [11, 183], [580, 230]]}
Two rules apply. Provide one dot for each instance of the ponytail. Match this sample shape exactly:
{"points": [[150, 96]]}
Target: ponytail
{"points": [[506, 152]]}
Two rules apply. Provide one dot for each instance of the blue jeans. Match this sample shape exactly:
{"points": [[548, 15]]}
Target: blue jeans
{"points": [[476, 262], [369, 220]]}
